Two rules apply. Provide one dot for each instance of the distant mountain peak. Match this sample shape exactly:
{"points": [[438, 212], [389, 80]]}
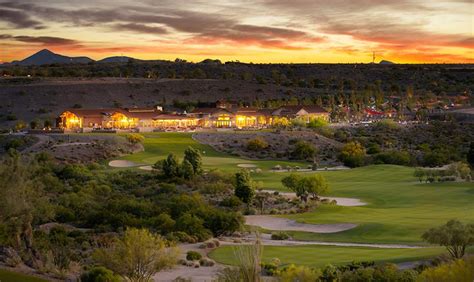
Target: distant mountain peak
{"points": [[44, 51], [46, 57], [385, 62]]}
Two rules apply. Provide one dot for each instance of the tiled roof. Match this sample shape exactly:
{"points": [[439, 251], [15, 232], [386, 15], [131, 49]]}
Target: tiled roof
{"points": [[209, 111], [293, 110], [93, 112]]}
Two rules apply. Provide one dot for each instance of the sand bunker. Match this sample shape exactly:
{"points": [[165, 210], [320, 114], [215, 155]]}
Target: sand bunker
{"points": [[284, 224], [345, 202], [122, 163], [247, 165], [146, 167]]}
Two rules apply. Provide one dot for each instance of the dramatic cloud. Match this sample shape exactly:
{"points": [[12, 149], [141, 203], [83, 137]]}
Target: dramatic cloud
{"points": [[140, 28], [45, 40], [19, 19], [252, 30]]}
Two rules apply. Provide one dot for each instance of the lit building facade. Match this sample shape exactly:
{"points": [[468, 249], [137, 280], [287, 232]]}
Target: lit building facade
{"points": [[149, 119]]}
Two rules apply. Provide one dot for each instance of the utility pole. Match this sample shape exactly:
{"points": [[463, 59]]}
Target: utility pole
{"points": [[373, 57]]}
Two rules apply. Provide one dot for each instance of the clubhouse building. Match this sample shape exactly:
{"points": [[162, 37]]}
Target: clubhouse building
{"points": [[151, 119]]}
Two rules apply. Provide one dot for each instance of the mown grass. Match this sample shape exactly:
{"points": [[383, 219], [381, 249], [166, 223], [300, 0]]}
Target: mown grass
{"points": [[319, 256], [9, 276], [159, 145], [399, 209]]}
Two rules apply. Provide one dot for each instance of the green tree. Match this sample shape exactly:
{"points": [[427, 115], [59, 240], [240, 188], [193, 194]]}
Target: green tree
{"points": [[193, 156], [454, 235], [244, 189], [170, 166], [138, 255], [187, 170], [352, 154], [315, 185], [293, 182]]}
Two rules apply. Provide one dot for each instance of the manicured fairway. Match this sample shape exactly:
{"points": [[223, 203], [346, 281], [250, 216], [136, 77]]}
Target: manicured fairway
{"points": [[319, 256], [399, 208], [8, 276], [159, 145]]}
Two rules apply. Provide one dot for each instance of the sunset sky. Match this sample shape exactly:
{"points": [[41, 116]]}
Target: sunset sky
{"points": [[273, 31]]}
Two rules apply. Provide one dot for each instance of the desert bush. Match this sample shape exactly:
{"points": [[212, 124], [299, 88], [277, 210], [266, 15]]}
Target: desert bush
{"points": [[99, 274], [206, 262], [393, 157], [458, 270], [257, 144], [299, 273], [179, 236], [134, 138], [192, 255], [280, 236], [353, 154], [231, 202], [303, 150]]}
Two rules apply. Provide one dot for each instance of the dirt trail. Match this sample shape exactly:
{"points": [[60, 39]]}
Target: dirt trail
{"points": [[43, 140]]}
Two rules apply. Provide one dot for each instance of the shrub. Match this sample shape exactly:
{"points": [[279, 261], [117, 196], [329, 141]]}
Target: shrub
{"points": [[134, 138], [180, 236], [280, 236], [214, 188], [352, 154], [269, 269], [99, 274], [231, 202], [317, 123], [257, 144], [299, 273], [303, 150], [192, 255], [458, 270], [393, 157], [206, 262]]}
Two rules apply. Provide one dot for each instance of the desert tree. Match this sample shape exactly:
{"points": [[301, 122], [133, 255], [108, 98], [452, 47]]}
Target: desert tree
{"points": [[244, 188], [193, 156], [138, 255], [454, 235]]}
